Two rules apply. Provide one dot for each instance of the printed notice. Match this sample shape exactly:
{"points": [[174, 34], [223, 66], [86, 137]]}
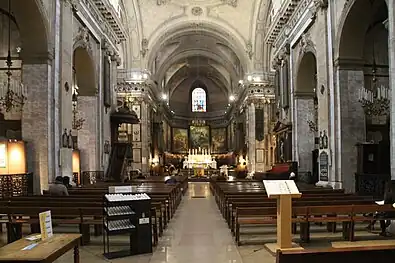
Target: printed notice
{"points": [[45, 225], [280, 187]]}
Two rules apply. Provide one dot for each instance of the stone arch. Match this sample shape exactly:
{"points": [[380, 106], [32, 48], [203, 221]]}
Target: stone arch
{"points": [[85, 72], [359, 18], [354, 22], [34, 35], [306, 80]]}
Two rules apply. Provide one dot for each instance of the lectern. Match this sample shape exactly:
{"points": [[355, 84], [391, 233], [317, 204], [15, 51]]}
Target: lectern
{"points": [[283, 191]]}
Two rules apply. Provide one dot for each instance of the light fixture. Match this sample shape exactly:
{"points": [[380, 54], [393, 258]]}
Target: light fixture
{"points": [[249, 77], [241, 82], [232, 97], [164, 96], [375, 100], [12, 91], [198, 122]]}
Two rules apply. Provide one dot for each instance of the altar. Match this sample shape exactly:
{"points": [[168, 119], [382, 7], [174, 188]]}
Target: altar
{"points": [[199, 159]]}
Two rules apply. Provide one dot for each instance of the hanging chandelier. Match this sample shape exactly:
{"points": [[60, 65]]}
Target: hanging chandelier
{"points": [[375, 100], [12, 91], [198, 122]]}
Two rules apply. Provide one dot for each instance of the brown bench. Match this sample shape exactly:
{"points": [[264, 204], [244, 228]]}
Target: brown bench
{"points": [[372, 254], [348, 215], [15, 209]]}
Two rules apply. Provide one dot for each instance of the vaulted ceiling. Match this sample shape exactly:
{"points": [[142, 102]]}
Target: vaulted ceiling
{"points": [[186, 40]]}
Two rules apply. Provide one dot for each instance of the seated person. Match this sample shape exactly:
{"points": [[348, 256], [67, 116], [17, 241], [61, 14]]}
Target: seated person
{"points": [[140, 176], [58, 188], [171, 180], [66, 182], [389, 198]]}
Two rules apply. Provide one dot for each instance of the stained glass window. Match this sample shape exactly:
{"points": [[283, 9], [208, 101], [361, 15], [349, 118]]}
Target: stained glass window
{"points": [[198, 100]]}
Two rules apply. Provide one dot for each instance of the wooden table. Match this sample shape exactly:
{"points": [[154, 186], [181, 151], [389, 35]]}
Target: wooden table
{"points": [[46, 251]]}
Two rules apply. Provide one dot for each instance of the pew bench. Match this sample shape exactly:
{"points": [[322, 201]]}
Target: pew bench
{"points": [[347, 215], [366, 254]]}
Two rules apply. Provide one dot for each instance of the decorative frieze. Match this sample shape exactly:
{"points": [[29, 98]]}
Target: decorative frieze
{"points": [[162, 2], [100, 18], [249, 49], [306, 44], [111, 17], [144, 47], [230, 2], [82, 39]]}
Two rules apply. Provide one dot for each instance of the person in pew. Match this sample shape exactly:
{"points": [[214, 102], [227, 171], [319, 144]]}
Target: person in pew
{"points": [[222, 177], [389, 198], [58, 188], [66, 182]]}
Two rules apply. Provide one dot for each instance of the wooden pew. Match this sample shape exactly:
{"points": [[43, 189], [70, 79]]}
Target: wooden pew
{"points": [[372, 254], [348, 215]]}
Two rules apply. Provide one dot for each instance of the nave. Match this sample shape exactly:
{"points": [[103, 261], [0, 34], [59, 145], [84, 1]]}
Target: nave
{"points": [[197, 233]]}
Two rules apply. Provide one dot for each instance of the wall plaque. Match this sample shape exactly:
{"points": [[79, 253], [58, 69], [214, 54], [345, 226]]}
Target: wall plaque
{"points": [[324, 166]]}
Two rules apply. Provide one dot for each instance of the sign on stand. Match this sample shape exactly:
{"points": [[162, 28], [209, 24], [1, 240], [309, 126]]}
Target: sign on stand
{"points": [[45, 225]]}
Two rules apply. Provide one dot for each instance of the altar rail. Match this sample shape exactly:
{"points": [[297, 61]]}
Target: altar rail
{"points": [[16, 185]]}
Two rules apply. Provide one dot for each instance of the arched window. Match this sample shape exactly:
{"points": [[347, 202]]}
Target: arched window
{"points": [[199, 100]]}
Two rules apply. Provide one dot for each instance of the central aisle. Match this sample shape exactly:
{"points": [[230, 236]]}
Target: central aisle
{"points": [[197, 233]]}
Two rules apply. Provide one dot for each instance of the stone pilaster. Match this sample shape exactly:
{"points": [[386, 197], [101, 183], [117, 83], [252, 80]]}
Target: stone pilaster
{"points": [[37, 126], [304, 137], [145, 137], [66, 77], [251, 137], [391, 56], [88, 135], [352, 128]]}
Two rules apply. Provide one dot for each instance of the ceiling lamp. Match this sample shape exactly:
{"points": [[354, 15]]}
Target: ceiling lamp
{"points": [[12, 91], [375, 100]]}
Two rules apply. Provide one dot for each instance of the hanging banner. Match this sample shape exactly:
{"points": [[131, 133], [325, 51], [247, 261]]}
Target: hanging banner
{"points": [[3, 155]]}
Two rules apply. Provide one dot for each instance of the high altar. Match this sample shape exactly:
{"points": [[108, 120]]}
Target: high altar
{"points": [[199, 159]]}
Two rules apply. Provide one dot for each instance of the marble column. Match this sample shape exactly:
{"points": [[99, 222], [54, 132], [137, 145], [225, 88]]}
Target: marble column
{"points": [[251, 137], [37, 125], [304, 112], [352, 122], [88, 135], [391, 56], [66, 77]]}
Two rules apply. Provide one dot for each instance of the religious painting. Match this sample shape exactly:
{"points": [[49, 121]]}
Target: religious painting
{"points": [[180, 140], [218, 140], [200, 137]]}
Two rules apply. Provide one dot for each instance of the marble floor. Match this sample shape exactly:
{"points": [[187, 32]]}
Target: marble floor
{"points": [[197, 233]]}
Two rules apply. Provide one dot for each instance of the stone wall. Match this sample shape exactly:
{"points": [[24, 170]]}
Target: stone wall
{"points": [[88, 136]]}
